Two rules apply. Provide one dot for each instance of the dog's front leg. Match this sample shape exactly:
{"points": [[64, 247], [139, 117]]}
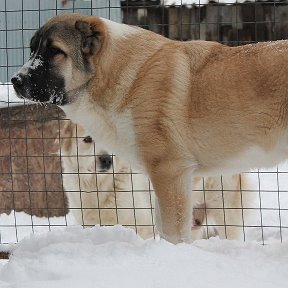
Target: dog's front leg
{"points": [[173, 204]]}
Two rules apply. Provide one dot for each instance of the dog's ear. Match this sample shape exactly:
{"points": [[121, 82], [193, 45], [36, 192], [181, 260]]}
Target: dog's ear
{"points": [[91, 36]]}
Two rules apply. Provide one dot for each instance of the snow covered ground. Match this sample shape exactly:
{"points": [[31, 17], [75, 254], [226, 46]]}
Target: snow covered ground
{"points": [[116, 257]]}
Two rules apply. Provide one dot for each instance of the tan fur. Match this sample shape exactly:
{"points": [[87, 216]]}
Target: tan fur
{"points": [[109, 197], [179, 109]]}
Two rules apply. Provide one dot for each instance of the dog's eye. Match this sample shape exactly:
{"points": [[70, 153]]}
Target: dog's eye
{"points": [[87, 139], [56, 51]]}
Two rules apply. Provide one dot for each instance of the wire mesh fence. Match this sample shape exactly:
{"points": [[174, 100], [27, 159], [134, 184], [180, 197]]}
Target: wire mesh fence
{"points": [[53, 173]]}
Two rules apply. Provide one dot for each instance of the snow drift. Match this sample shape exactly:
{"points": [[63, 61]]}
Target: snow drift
{"points": [[117, 257]]}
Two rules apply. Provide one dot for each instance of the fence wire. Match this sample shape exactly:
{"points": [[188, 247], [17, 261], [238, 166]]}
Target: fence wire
{"points": [[53, 174]]}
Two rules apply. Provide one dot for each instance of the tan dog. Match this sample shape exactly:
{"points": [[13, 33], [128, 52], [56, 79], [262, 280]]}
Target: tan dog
{"points": [[102, 191], [174, 109]]}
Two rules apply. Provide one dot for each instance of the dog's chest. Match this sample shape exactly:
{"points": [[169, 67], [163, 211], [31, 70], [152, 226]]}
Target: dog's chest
{"points": [[111, 132]]}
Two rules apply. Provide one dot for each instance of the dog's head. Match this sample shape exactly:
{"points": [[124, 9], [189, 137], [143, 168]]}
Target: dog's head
{"points": [[80, 154], [61, 60], [82, 159]]}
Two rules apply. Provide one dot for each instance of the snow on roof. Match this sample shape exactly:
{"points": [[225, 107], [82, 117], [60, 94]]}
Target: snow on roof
{"points": [[189, 2], [8, 97]]}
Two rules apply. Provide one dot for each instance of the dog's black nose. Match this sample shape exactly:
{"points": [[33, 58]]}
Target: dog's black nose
{"points": [[17, 80], [105, 162]]}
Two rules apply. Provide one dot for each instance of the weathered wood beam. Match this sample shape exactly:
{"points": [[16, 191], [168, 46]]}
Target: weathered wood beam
{"points": [[18, 116]]}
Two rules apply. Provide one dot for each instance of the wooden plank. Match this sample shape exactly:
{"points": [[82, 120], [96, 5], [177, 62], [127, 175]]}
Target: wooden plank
{"points": [[18, 116], [4, 255], [30, 171]]}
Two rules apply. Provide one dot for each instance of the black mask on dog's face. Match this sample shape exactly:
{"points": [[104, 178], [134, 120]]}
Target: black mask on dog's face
{"points": [[61, 62], [38, 79]]}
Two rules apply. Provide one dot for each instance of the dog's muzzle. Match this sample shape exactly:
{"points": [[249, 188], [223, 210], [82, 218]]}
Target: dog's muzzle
{"points": [[105, 162], [19, 81]]}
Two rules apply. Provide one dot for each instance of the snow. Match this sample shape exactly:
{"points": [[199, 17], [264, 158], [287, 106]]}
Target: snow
{"points": [[33, 64], [116, 257], [190, 2], [8, 97], [18, 225]]}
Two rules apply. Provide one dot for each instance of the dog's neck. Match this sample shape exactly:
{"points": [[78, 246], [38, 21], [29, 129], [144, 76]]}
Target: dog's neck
{"points": [[118, 66], [116, 134]]}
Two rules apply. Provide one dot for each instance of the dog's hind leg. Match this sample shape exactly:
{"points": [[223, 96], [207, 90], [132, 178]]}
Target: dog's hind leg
{"points": [[174, 207]]}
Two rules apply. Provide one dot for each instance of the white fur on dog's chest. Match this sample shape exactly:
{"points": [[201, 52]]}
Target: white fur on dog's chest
{"points": [[113, 132]]}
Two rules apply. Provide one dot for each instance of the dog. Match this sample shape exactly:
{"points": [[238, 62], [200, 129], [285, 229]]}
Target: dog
{"points": [[221, 206], [102, 189], [176, 110]]}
